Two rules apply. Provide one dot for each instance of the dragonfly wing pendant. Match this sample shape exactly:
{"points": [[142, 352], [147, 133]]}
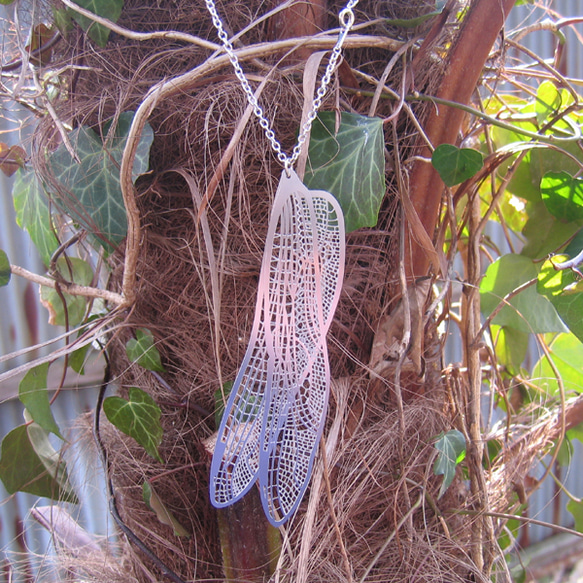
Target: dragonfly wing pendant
{"points": [[277, 407]]}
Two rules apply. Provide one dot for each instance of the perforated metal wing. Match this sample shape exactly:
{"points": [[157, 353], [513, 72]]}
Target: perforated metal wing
{"points": [[277, 407]]}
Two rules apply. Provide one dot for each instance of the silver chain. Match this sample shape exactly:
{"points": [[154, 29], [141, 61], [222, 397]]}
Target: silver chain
{"points": [[346, 18]]}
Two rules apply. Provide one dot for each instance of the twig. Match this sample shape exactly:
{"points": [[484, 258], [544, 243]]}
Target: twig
{"points": [[72, 289], [343, 552], [141, 36], [391, 536], [524, 519]]}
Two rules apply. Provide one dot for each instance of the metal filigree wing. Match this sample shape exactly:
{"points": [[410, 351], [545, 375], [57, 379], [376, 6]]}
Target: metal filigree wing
{"points": [[276, 411]]}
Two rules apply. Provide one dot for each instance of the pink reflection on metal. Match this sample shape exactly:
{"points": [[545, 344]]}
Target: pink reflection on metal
{"points": [[276, 410]]}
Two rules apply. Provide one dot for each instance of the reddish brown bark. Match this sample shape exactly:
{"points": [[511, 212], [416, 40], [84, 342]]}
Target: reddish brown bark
{"points": [[465, 63], [301, 19]]}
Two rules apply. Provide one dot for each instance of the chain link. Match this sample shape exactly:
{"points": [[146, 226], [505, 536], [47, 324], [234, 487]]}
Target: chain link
{"points": [[346, 18]]}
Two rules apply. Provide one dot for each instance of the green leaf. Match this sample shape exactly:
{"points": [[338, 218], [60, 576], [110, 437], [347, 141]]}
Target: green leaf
{"points": [[511, 346], [456, 164], [452, 450], [33, 393], [37, 469], [110, 9], [560, 287], [164, 515], [548, 101], [221, 397], [567, 354], [142, 350], [544, 234], [5, 272], [90, 191], [32, 213], [77, 359], [563, 195], [528, 311], [575, 507], [138, 417], [350, 164], [74, 270]]}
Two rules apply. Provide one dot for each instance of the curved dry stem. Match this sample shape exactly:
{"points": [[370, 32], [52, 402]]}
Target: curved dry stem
{"points": [[72, 289]]}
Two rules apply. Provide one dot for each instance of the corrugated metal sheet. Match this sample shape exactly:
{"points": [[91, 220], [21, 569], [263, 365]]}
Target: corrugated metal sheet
{"points": [[23, 322]]}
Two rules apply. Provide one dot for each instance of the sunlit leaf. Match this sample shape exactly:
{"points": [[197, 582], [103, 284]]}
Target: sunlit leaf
{"points": [[350, 164], [456, 164], [142, 350], [164, 515], [5, 272], [32, 213], [110, 9], [544, 233], [75, 270], [575, 507], [567, 354], [34, 395], [563, 195], [452, 450], [37, 469], [548, 101], [90, 191], [138, 417], [557, 286], [528, 311]]}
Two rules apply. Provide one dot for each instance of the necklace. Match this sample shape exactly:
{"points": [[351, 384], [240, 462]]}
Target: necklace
{"points": [[274, 418]]}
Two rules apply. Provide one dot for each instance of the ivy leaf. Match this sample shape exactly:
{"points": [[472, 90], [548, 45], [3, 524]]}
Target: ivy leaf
{"points": [[548, 101], [142, 350], [221, 397], [110, 9], [37, 469], [5, 272], [575, 507], [563, 195], [544, 234], [32, 213], [560, 287], [90, 191], [567, 354], [456, 164], [40, 36], [511, 347], [452, 450], [164, 515], [71, 269], [350, 164], [78, 358], [138, 417], [33, 394], [528, 311], [11, 158]]}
